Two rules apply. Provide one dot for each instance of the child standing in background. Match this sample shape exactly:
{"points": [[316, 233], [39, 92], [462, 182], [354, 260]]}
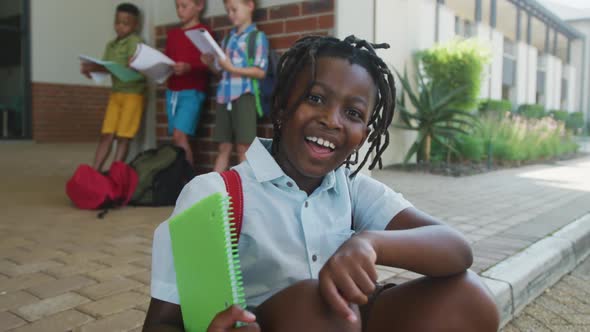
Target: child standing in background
{"points": [[235, 121], [187, 87], [123, 114]]}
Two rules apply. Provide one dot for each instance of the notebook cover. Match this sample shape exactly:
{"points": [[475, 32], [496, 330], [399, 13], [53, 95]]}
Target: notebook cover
{"points": [[206, 261]]}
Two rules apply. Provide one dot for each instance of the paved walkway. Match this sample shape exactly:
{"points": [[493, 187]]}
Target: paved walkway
{"points": [[564, 307], [63, 269]]}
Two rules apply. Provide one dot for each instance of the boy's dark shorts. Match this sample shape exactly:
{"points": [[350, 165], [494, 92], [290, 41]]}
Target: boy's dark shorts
{"points": [[239, 124]]}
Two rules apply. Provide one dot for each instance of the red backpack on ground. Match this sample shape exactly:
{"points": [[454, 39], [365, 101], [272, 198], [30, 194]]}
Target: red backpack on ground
{"points": [[91, 190]]}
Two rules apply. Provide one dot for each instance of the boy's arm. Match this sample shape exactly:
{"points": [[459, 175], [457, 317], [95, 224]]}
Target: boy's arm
{"points": [[251, 72], [260, 63], [415, 241]]}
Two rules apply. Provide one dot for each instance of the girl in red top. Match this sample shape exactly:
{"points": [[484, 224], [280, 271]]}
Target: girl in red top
{"points": [[187, 88]]}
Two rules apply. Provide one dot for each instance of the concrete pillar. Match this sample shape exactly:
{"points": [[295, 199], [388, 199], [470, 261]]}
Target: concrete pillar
{"points": [[417, 16], [346, 23], [557, 78], [577, 62], [446, 24], [482, 32], [522, 67], [497, 42], [547, 59], [532, 64], [569, 73]]}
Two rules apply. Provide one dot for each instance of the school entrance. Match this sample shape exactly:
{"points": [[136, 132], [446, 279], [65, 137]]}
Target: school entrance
{"points": [[15, 77]]}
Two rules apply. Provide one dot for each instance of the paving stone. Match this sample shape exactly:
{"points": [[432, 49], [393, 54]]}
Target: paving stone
{"points": [[110, 273], [64, 321], [120, 322], [120, 260], [24, 281], [50, 306], [556, 309], [9, 321], [109, 287], [144, 277], [527, 323], [80, 267], [60, 286], [17, 299], [31, 268], [114, 304]]}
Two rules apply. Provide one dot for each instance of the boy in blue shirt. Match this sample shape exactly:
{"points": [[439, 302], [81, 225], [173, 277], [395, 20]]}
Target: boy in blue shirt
{"points": [[314, 230]]}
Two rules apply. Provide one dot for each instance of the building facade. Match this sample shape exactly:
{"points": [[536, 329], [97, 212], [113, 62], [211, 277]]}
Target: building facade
{"points": [[536, 56]]}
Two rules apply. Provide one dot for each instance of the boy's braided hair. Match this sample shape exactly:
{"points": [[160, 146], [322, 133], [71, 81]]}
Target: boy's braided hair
{"points": [[128, 8], [307, 51]]}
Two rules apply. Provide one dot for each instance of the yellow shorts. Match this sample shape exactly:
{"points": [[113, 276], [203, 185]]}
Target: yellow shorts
{"points": [[123, 115]]}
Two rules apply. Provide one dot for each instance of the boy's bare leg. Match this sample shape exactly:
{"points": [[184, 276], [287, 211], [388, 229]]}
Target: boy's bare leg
{"points": [[122, 148], [181, 140], [241, 149], [102, 151], [458, 303], [222, 161], [300, 308]]}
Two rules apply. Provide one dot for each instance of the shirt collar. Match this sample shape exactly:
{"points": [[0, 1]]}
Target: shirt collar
{"points": [[265, 167], [251, 27], [123, 40]]}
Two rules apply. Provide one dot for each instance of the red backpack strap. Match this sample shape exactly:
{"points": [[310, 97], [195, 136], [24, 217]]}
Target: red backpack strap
{"points": [[233, 185]]}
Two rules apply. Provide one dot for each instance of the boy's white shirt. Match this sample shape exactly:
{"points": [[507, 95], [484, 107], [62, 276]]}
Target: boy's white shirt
{"points": [[283, 228]]}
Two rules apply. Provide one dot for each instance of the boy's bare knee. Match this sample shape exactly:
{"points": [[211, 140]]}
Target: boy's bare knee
{"points": [[178, 136], [479, 305], [300, 307], [225, 147], [107, 137]]}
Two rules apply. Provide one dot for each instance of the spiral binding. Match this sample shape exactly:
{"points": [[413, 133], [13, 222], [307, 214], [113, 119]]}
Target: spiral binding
{"points": [[233, 259]]}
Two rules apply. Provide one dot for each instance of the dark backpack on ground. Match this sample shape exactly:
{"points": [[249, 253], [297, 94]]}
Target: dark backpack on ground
{"points": [[263, 89], [162, 173], [91, 190]]}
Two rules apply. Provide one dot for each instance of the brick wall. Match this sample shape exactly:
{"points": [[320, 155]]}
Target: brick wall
{"points": [[283, 25], [67, 113]]}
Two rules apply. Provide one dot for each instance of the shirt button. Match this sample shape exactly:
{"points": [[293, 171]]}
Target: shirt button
{"points": [[289, 184], [306, 204], [314, 258]]}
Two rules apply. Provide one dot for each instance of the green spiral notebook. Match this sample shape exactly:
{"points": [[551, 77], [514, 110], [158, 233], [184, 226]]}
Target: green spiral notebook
{"points": [[206, 261]]}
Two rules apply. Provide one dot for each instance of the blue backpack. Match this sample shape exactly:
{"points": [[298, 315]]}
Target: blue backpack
{"points": [[263, 89]]}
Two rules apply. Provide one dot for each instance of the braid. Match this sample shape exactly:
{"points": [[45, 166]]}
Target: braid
{"points": [[306, 51]]}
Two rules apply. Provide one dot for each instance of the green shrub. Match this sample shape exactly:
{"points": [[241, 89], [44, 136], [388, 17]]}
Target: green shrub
{"points": [[495, 106], [575, 121], [458, 63], [531, 111], [470, 147], [559, 115]]}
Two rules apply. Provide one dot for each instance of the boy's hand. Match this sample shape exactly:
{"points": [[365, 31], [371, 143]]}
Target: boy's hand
{"points": [[349, 276], [209, 60], [88, 67], [226, 64], [181, 68], [226, 320]]}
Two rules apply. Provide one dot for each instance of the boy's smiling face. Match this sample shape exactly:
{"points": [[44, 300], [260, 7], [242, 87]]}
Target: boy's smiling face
{"points": [[125, 24], [330, 122]]}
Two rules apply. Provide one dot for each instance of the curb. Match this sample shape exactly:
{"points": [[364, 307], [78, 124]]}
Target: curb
{"points": [[519, 279]]}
